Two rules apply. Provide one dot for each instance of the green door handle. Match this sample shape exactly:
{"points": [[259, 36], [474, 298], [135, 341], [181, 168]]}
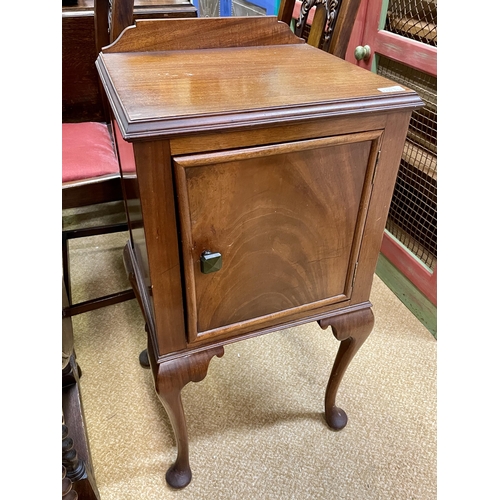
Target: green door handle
{"points": [[362, 53]]}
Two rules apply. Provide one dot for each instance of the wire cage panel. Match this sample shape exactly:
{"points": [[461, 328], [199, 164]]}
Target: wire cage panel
{"points": [[415, 19], [413, 213]]}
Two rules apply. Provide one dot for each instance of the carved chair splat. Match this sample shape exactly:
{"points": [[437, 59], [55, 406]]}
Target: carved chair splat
{"points": [[325, 24]]}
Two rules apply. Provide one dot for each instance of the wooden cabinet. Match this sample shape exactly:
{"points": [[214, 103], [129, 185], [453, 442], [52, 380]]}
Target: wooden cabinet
{"points": [[257, 195]]}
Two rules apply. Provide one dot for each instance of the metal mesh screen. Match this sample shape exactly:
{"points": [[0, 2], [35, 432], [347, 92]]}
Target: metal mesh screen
{"points": [[415, 19], [413, 212]]}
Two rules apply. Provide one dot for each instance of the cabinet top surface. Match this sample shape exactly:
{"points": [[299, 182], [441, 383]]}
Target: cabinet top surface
{"points": [[158, 92]]}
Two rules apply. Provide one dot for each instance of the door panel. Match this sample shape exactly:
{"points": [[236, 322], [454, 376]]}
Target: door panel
{"points": [[287, 220]]}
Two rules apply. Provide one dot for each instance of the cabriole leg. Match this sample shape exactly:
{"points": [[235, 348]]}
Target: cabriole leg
{"points": [[352, 329], [172, 377]]}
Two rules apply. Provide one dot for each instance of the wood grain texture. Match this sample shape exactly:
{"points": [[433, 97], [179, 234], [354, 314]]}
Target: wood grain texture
{"points": [[343, 27], [286, 133], [203, 33], [160, 232], [121, 16], [391, 149], [203, 90], [289, 234], [331, 25], [318, 26]]}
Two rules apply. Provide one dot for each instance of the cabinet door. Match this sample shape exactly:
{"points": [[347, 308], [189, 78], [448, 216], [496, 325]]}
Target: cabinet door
{"points": [[287, 220]]}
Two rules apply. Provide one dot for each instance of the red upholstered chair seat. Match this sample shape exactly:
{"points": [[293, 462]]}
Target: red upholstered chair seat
{"points": [[126, 152], [87, 151]]}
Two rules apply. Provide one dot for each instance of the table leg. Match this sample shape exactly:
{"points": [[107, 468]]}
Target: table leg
{"points": [[172, 376], [352, 329]]}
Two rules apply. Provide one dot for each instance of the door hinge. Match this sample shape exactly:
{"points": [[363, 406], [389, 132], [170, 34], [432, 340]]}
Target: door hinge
{"points": [[376, 167], [354, 274]]}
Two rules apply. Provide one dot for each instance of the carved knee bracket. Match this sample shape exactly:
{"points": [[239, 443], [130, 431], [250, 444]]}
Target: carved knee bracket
{"points": [[352, 329]]}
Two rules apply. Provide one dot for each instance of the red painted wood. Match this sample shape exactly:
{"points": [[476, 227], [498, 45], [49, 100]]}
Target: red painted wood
{"points": [[410, 52], [370, 31], [419, 56], [410, 267], [357, 33]]}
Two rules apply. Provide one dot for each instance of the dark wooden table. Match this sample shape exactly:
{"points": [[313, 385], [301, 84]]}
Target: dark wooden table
{"points": [[264, 174], [81, 100]]}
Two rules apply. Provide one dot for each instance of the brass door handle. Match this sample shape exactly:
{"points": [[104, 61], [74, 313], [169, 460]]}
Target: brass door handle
{"points": [[362, 53], [210, 262]]}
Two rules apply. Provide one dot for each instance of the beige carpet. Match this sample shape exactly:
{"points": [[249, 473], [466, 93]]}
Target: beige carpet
{"points": [[256, 423]]}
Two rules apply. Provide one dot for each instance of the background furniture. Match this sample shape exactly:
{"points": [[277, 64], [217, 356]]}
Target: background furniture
{"points": [[91, 175], [259, 198], [81, 97], [90, 166], [402, 37], [78, 479], [326, 26], [339, 14]]}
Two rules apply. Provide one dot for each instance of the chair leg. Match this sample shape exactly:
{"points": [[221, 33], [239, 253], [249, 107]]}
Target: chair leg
{"points": [[93, 304], [97, 303], [95, 231], [65, 265]]}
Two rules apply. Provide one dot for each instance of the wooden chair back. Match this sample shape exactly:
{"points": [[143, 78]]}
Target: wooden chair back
{"points": [[326, 24], [91, 172], [111, 17]]}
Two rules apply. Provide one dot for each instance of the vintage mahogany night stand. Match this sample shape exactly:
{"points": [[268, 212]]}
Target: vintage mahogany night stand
{"points": [[264, 173]]}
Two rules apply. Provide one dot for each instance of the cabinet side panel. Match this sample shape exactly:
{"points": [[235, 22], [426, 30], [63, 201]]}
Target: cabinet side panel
{"points": [[383, 187], [156, 191]]}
